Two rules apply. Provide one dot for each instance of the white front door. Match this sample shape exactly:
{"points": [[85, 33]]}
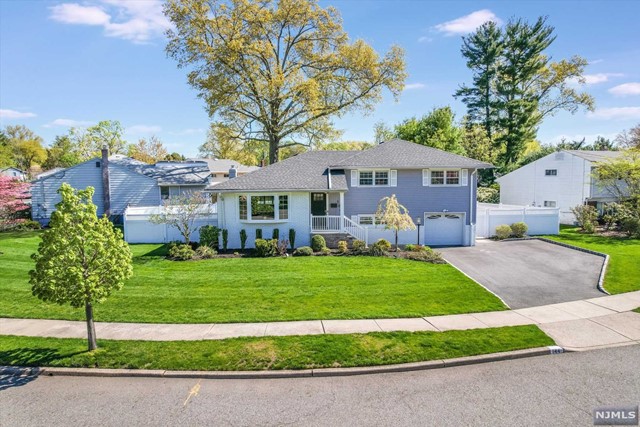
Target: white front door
{"points": [[443, 229]]}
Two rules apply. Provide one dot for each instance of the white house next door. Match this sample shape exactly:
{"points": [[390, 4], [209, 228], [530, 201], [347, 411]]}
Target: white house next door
{"points": [[443, 229]]}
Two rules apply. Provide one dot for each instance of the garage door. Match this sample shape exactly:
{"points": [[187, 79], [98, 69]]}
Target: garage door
{"points": [[443, 229]]}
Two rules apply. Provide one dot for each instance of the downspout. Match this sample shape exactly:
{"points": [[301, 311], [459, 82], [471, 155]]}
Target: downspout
{"points": [[471, 221], [106, 196]]}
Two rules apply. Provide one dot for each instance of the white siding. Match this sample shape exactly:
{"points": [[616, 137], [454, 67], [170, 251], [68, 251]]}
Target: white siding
{"points": [[529, 186], [299, 219], [131, 188]]}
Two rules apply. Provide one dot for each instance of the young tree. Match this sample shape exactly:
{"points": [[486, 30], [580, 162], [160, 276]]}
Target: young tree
{"points": [[81, 259], [89, 142], [382, 132], [13, 196], [278, 72], [620, 176], [436, 129], [148, 150], [62, 153], [182, 212], [394, 216], [26, 147]]}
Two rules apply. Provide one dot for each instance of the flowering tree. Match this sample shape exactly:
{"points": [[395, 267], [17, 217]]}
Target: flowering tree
{"points": [[182, 212], [394, 216], [13, 196]]}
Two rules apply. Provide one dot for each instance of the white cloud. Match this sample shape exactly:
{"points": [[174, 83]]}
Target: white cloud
{"points": [[592, 79], [414, 86], [424, 39], [188, 131], [13, 114], [616, 113], [596, 61], [137, 21], [142, 129], [626, 89], [468, 23], [69, 123]]}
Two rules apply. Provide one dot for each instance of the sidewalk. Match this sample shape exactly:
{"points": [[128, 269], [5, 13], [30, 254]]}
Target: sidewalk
{"points": [[576, 325]]}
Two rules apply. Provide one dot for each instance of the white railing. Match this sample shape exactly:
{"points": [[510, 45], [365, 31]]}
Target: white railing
{"points": [[338, 224]]}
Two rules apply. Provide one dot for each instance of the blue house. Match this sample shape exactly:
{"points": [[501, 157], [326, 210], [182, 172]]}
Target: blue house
{"points": [[336, 193]]}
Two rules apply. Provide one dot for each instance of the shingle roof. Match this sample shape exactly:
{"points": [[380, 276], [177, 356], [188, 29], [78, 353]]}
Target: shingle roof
{"points": [[595, 156], [306, 171], [400, 154], [223, 165], [169, 173]]}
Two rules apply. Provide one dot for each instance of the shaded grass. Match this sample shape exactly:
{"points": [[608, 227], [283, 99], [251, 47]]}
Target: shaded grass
{"points": [[623, 271], [291, 352], [253, 289]]}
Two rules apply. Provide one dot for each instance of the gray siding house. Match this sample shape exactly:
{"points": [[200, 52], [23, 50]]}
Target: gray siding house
{"points": [[119, 182], [336, 193]]}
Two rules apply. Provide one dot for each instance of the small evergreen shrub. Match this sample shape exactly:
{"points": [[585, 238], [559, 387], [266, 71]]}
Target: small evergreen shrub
{"points": [[243, 239], [181, 252], [258, 233], [343, 247], [292, 237], [380, 248], [303, 251], [205, 252], [209, 236], [503, 231], [225, 239], [359, 246], [266, 248], [325, 251], [27, 224], [318, 243], [631, 226], [275, 234], [519, 229], [426, 256]]}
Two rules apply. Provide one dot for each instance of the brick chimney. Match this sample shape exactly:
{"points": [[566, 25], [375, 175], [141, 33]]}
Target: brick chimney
{"points": [[106, 194]]}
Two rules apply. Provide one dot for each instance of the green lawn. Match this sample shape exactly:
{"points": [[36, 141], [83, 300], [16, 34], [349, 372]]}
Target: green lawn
{"points": [[294, 352], [252, 289], [623, 272]]}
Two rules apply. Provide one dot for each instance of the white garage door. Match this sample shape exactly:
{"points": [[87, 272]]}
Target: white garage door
{"points": [[442, 229]]}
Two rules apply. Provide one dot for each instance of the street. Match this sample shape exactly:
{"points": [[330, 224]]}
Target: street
{"points": [[549, 390]]}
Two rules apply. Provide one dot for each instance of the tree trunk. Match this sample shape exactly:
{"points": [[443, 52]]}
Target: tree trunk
{"points": [[396, 240], [91, 328], [274, 148]]}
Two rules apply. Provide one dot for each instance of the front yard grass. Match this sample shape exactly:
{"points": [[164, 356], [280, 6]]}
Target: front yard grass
{"points": [[253, 289], [623, 271], [292, 352]]}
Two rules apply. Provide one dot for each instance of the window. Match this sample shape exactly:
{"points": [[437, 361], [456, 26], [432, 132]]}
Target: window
{"points": [[164, 193], [437, 177], [453, 177], [382, 177], [262, 208], [551, 172], [283, 212], [549, 204], [365, 219], [366, 178], [242, 207], [445, 177]]}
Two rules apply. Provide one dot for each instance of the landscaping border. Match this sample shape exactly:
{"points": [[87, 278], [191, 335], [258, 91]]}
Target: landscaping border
{"points": [[302, 373]]}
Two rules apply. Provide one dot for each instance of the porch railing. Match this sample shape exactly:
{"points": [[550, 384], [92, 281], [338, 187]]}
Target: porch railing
{"points": [[338, 224]]}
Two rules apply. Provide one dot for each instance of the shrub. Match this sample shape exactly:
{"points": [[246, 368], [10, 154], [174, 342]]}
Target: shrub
{"points": [[258, 233], [410, 247], [209, 236], [503, 231], [181, 252], [225, 239], [325, 251], [282, 247], [205, 252], [343, 247], [631, 226], [27, 224], [318, 243], [292, 237], [303, 251], [428, 255], [586, 217], [488, 195], [519, 229], [266, 248], [380, 248], [243, 239], [359, 246], [275, 234]]}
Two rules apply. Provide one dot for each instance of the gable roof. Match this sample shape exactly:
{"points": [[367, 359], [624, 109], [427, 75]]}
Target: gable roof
{"points": [[595, 156], [400, 154], [306, 171]]}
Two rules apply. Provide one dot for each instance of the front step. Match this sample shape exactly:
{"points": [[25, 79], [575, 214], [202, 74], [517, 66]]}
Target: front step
{"points": [[332, 239]]}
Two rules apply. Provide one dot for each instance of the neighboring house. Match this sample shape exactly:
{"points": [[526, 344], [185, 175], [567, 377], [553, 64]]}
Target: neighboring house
{"points": [[12, 172], [560, 180], [222, 168], [336, 193], [119, 182]]}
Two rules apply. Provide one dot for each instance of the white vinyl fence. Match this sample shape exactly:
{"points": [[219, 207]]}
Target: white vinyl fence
{"points": [[539, 220], [138, 227]]}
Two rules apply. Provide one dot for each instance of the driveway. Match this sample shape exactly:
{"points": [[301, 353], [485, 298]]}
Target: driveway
{"points": [[529, 273]]}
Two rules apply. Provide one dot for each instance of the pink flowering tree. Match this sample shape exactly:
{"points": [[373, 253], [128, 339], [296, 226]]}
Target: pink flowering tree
{"points": [[13, 197]]}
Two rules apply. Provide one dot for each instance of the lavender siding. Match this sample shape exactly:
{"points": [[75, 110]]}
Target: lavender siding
{"points": [[417, 198]]}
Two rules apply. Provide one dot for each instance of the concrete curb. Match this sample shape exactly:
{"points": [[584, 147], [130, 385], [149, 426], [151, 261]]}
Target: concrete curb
{"points": [[303, 373]]}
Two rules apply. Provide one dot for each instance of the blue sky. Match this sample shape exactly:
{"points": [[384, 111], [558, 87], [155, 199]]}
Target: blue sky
{"points": [[72, 63]]}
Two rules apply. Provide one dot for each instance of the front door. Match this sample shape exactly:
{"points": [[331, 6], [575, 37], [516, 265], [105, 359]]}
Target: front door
{"points": [[318, 204]]}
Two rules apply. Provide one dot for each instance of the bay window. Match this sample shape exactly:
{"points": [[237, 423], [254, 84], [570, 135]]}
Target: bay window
{"points": [[263, 207]]}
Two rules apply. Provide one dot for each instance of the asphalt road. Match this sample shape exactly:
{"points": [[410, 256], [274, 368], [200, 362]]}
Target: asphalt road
{"points": [[541, 391], [529, 273]]}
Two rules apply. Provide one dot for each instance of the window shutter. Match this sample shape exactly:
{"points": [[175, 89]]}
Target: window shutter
{"points": [[393, 178], [426, 177], [354, 178], [465, 177]]}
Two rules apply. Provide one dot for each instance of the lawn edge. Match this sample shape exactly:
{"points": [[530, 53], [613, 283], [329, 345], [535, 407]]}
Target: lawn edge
{"points": [[19, 371]]}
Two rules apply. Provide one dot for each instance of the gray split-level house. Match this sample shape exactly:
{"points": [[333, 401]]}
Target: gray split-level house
{"points": [[336, 193]]}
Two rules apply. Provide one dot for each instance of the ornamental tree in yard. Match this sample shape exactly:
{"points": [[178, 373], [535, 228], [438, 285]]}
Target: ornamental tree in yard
{"points": [[394, 216], [182, 212], [81, 259], [13, 194]]}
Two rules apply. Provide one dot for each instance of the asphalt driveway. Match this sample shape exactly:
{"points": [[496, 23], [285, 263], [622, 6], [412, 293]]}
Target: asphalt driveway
{"points": [[529, 273]]}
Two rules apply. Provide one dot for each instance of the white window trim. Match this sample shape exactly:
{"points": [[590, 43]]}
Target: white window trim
{"points": [[445, 170], [555, 203], [276, 208], [392, 177]]}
